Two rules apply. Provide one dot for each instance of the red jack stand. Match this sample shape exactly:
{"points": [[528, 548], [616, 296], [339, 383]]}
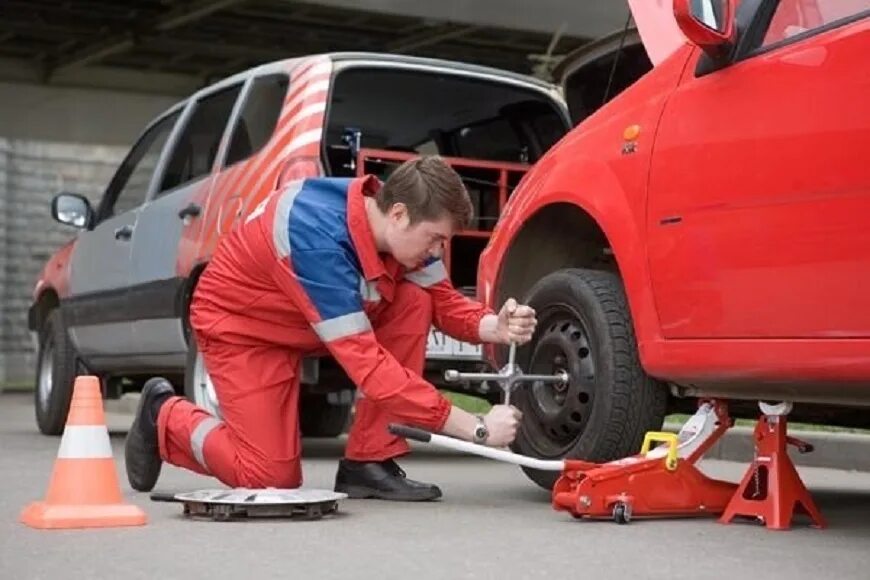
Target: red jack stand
{"points": [[663, 482], [771, 490]]}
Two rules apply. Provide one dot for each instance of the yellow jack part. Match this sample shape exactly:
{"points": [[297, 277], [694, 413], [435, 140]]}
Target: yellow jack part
{"points": [[662, 437]]}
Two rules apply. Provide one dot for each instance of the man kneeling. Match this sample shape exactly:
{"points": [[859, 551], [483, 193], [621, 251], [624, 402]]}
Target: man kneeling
{"points": [[346, 267]]}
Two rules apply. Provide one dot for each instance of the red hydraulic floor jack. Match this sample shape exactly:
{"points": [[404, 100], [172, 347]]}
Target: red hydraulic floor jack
{"points": [[659, 482], [665, 481], [662, 481]]}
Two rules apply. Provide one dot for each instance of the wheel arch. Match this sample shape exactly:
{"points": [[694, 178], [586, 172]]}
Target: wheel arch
{"points": [[47, 301], [581, 215]]}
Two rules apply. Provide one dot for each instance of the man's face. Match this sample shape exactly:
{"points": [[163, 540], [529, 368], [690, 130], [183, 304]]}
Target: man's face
{"points": [[411, 245]]}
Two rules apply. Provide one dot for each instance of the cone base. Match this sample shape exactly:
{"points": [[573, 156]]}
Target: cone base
{"points": [[44, 516]]}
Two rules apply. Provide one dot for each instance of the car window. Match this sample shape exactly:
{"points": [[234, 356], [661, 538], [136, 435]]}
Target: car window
{"points": [[194, 153], [794, 17], [258, 118], [129, 187], [492, 139]]}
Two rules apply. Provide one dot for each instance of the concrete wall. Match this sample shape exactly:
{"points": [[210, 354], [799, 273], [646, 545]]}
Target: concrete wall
{"points": [[70, 115], [51, 139]]}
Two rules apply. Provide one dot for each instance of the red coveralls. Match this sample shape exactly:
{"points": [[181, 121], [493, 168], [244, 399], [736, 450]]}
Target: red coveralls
{"points": [[303, 272]]}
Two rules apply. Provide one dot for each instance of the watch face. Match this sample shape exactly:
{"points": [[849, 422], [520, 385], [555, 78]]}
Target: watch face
{"points": [[481, 432]]}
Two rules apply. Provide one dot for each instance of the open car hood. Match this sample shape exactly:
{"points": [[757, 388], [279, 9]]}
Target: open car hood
{"points": [[658, 28]]}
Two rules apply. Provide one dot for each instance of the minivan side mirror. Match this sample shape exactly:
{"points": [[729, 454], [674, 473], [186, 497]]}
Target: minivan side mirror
{"points": [[709, 24], [72, 209]]}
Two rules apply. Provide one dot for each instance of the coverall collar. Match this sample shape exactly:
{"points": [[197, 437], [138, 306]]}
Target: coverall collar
{"points": [[360, 229]]}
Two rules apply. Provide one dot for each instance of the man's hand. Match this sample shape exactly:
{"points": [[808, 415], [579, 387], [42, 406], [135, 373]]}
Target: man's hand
{"points": [[516, 323], [502, 422]]}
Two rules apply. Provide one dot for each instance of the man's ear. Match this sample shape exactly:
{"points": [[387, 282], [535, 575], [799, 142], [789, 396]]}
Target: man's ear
{"points": [[398, 212]]}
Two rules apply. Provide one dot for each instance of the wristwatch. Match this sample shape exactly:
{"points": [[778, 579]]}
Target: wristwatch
{"points": [[481, 432]]}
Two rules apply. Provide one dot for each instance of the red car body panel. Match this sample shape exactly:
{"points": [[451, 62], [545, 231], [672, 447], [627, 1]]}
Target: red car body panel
{"points": [[240, 188], [743, 239], [55, 274]]}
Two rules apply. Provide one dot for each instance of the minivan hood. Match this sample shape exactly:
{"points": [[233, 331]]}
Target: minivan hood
{"points": [[658, 28]]}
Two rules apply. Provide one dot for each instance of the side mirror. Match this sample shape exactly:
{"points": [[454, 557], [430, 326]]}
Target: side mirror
{"points": [[72, 209], [708, 24]]}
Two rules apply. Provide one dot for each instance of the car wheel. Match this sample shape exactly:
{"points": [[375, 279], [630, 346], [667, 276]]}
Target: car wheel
{"points": [[584, 328], [55, 375], [198, 387], [317, 416], [320, 418]]}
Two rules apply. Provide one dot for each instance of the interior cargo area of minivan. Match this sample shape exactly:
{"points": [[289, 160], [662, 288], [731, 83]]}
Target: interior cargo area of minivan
{"points": [[498, 128]]}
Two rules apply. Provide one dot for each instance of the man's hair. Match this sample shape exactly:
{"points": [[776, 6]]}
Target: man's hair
{"points": [[430, 189]]}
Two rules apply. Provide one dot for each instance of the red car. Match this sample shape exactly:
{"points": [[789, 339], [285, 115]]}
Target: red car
{"points": [[706, 233]]}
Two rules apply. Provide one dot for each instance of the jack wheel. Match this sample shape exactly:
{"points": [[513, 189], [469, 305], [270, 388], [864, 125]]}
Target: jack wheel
{"points": [[621, 513]]}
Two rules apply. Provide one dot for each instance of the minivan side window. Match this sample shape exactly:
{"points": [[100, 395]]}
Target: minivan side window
{"points": [[128, 188], [794, 17], [194, 153], [259, 116]]}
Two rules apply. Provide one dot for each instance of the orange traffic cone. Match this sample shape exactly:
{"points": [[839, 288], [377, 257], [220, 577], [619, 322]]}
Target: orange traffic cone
{"points": [[84, 491]]}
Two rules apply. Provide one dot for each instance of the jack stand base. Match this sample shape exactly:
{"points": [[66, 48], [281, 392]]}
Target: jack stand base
{"points": [[772, 490]]}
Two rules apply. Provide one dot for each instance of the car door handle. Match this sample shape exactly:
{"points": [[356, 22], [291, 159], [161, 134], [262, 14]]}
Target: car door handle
{"points": [[192, 210], [124, 233]]}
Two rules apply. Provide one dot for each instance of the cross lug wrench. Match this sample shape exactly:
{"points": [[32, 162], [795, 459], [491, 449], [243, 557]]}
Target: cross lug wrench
{"points": [[508, 377]]}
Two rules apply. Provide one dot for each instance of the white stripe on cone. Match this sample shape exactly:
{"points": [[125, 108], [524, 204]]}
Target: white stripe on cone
{"points": [[85, 442]]}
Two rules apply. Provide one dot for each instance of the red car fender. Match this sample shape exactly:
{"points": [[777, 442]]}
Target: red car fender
{"points": [[593, 170], [55, 275], [603, 197]]}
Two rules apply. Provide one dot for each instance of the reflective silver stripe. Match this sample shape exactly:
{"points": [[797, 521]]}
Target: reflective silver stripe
{"points": [[258, 211], [280, 227], [428, 276], [369, 290], [85, 442], [342, 326], [197, 440]]}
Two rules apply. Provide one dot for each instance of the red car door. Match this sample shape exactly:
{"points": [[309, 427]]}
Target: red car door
{"points": [[759, 194]]}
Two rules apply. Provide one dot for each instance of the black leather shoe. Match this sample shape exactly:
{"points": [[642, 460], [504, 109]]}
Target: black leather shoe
{"points": [[141, 451], [381, 480]]}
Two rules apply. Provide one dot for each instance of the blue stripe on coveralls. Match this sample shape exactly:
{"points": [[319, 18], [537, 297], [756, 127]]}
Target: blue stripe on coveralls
{"points": [[323, 257], [342, 326], [429, 275], [197, 439], [280, 233]]}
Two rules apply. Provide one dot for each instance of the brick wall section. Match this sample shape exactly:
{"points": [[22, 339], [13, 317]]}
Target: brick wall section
{"points": [[31, 173]]}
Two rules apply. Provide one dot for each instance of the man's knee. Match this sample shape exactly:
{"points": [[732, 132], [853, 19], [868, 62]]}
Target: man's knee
{"points": [[276, 473]]}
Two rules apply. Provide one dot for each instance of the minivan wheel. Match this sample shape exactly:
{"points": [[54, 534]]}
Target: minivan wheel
{"points": [[317, 416], [55, 375], [198, 387], [584, 328], [320, 418]]}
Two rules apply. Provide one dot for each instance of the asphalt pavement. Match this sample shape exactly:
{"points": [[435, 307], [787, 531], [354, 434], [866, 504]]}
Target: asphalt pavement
{"points": [[492, 523]]}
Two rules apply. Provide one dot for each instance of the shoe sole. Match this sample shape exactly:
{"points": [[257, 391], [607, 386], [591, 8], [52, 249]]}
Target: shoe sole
{"points": [[357, 492], [156, 467]]}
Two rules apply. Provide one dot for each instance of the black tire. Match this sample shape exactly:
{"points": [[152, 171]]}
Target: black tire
{"points": [[56, 363], [585, 328], [621, 513], [319, 418]]}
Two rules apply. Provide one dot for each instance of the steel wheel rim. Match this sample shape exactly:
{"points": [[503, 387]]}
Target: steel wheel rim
{"points": [[204, 394], [46, 380], [556, 416]]}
